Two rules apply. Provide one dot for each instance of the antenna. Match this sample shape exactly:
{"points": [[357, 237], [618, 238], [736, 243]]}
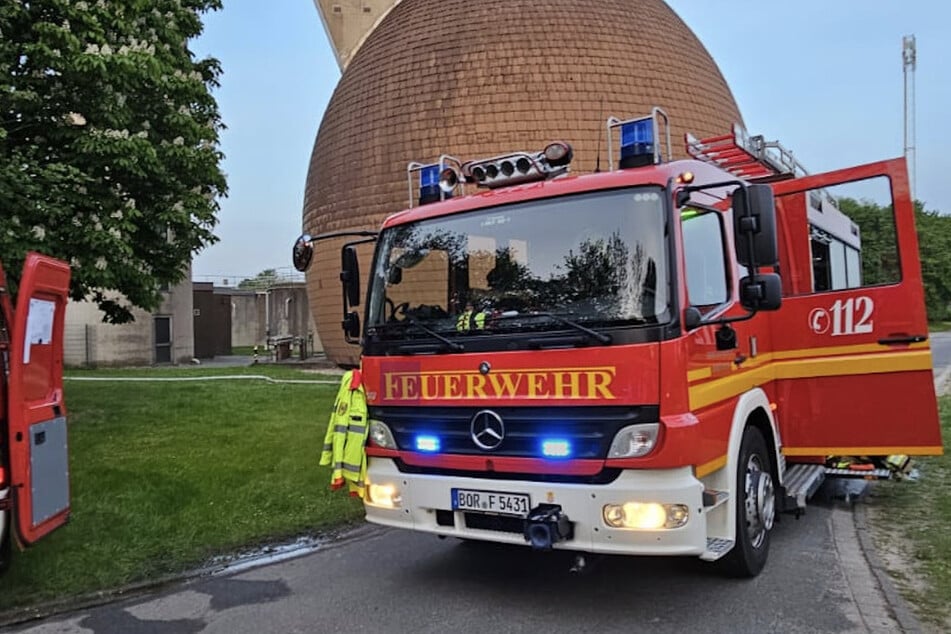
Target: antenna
{"points": [[597, 165], [909, 55]]}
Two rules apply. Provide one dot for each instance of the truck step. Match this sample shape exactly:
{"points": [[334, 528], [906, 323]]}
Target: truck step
{"points": [[716, 548], [870, 474], [801, 482], [713, 498]]}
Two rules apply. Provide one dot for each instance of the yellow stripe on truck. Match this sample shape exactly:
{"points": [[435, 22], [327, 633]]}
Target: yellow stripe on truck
{"points": [[711, 392], [863, 451]]}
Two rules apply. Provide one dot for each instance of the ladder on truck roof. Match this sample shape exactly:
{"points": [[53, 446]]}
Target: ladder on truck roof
{"points": [[748, 157]]}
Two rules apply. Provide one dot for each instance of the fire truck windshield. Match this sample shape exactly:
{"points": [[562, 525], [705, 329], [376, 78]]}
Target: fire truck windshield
{"points": [[595, 259]]}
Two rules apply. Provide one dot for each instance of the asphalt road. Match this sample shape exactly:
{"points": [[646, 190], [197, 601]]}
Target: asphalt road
{"points": [[385, 580], [941, 350]]}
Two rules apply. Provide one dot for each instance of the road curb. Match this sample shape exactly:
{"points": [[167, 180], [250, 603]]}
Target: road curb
{"points": [[896, 603]]}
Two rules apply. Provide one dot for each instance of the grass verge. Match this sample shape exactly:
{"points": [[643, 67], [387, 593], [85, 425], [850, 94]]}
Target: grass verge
{"points": [[912, 522], [166, 475]]}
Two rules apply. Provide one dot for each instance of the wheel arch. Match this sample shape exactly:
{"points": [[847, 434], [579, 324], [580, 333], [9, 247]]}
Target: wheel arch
{"points": [[752, 410]]}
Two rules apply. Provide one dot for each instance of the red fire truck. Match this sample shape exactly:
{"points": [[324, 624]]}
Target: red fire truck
{"points": [[34, 470], [652, 360]]}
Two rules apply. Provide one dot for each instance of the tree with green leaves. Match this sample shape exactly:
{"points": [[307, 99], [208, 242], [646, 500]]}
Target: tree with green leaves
{"points": [[880, 264], [109, 143], [263, 280]]}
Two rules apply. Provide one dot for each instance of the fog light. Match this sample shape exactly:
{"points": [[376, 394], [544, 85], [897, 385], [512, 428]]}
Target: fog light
{"points": [[645, 515], [385, 495]]}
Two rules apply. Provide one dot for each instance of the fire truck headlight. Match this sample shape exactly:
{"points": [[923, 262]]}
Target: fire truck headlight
{"points": [[381, 435], [645, 515], [634, 441], [384, 495]]}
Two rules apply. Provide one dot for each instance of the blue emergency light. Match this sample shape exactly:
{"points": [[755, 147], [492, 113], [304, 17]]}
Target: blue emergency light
{"points": [[429, 191], [637, 143], [428, 444], [556, 448]]}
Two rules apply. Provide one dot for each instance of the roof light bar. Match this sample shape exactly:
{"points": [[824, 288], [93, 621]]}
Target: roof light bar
{"points": [[518, 167]]}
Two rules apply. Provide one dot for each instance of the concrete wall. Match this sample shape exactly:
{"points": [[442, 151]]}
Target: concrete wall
{"points": [[90, 342], [287, 307], [248, 322]]}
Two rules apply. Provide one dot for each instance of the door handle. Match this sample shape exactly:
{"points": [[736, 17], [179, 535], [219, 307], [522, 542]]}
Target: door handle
{"points": [[898, 340]]}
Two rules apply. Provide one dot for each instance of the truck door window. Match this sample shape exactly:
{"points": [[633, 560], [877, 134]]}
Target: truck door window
{"points": [[705, 257], [851, 236]]}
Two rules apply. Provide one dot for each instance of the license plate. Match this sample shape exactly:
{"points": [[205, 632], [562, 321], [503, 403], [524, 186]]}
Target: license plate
{"points": [[515, 504]]}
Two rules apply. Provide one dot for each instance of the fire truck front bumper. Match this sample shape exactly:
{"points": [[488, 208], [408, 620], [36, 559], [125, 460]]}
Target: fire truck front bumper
{"points": [[646, 512]]}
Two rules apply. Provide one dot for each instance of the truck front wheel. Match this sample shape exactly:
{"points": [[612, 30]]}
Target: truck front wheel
{"points": [[6, 540], [755, 507]]}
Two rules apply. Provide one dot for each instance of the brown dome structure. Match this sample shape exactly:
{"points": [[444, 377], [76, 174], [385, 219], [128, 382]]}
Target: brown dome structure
{"points": [[476, 79]]}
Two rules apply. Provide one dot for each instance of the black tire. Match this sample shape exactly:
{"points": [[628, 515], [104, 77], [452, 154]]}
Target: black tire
{"points": [[6, 543], [754, 515]]}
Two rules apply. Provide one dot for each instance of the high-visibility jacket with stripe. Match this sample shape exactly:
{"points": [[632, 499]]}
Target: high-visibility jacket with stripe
{"points": [[346, 436], [470, 320]]}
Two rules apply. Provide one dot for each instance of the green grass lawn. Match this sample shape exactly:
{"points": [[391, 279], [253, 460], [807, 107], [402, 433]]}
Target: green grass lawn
{"points": [[914, 519], [166, 475]]}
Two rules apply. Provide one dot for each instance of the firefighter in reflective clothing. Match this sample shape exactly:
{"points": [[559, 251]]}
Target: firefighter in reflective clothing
{"points": [[347, 435], [470, 319]]}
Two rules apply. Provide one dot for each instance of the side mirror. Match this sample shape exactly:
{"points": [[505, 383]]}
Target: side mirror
{"points": [[394, 276], [692, 318], [351, 326], [350, 275], [303, 252], [765, 292], [754, 226]]}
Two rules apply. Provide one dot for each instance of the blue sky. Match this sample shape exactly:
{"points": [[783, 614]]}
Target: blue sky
{"points": [[824, 77]]}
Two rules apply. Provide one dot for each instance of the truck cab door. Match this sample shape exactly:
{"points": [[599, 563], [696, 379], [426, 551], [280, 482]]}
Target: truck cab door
{"points": [[37, 414], [850, 344]]}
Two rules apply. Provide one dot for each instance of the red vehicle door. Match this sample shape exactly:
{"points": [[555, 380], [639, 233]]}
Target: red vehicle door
{"points": [[37, 414], [850, 343]]}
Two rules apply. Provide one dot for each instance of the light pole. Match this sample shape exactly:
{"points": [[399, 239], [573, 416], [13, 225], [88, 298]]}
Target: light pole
{"points": [[909, 57]]}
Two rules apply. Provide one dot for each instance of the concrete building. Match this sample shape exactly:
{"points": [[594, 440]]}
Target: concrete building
{"points": [[348, 22], [164, 336], [196, 320]]}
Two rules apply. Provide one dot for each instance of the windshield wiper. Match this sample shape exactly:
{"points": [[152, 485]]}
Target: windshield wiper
{"points": [[599, 336], [452, 345]]}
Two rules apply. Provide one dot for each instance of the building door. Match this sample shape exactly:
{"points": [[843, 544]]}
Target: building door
{"points": [[163, 339]]}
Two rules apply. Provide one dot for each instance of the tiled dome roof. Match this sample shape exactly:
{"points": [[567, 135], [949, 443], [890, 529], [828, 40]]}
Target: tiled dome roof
{"points": [[478, 78]]}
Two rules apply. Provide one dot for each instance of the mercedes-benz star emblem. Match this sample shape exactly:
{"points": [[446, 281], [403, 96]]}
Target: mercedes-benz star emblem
{"points": [[487, 430], [484, 367]]}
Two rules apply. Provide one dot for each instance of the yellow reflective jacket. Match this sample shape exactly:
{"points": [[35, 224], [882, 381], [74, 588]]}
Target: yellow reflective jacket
{"points": [[346, 436], [470, 320]]}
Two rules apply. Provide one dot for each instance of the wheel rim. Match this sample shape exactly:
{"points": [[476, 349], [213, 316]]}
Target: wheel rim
{"points": [[760, 501]]}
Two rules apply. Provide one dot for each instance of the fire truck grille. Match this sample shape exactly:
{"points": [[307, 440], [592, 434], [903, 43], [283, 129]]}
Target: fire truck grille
{"points": [[587, 430]]}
